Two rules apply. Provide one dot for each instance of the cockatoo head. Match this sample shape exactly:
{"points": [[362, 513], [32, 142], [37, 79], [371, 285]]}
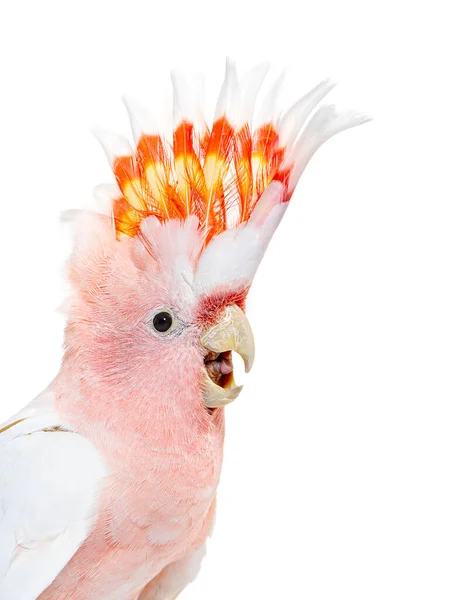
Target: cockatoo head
{"points": [[160, 284]]}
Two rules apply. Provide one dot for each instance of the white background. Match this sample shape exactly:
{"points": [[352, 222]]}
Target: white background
{"points": [[344, 462]]}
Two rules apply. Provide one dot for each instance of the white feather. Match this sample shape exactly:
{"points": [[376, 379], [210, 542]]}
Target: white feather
{"points": [[250, 85], [113, 144], [49, 483], [293, 120], [188, 99], [105, 194], [324, 124], [178, 92], [268, 111], [233, 257], [140, 118], [228, 103]]}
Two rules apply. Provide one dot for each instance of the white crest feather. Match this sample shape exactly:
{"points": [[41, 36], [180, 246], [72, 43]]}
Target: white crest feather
{"points": [[188, 99], [268, 111], [113, 144], [229, 97], [326, 122], [250, 85], [293, 120], [140, 118]]}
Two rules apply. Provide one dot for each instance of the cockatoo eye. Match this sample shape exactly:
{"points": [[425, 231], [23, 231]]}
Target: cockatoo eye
{"points": [[162, 321]]}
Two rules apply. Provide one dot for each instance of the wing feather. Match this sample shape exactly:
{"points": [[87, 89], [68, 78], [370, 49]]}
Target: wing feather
{"points": [[50, 482]]}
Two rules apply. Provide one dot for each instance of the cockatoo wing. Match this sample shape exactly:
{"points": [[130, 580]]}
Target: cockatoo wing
{"points": [[50, 481]]}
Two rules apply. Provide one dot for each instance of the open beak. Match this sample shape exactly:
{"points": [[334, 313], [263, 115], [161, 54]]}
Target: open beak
{"points": [[231, 333]]}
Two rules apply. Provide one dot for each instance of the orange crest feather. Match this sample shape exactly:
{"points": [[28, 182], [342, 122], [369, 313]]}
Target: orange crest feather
{"points": [[214, 176]]}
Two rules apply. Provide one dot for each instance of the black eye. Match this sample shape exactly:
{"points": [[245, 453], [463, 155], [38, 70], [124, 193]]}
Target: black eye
{"points": [[162, 322]]}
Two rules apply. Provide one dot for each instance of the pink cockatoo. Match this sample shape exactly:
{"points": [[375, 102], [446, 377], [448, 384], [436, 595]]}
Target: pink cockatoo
{"points": [[108, 478]]}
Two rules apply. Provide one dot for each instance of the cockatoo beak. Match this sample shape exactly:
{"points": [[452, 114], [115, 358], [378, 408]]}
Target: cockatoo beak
{"points": [[231, 333]]}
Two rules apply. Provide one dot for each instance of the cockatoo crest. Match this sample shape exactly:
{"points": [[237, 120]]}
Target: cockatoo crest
{"points": [[219, 173]]}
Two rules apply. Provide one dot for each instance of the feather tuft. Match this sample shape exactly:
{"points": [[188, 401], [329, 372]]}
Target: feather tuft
{"points": [[217, 175]]}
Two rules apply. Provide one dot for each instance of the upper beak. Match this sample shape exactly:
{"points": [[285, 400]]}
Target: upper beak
{"points": [[231, 333]]}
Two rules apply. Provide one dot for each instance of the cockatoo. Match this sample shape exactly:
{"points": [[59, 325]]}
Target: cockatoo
{"points": [[108, 478]]}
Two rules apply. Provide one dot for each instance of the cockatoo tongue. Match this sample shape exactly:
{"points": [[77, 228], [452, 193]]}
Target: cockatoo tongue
{"points": [[225, 365], [222, 365]]}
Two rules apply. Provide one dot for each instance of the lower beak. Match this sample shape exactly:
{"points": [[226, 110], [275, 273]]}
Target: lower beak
{"points": [[231, 333]]}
